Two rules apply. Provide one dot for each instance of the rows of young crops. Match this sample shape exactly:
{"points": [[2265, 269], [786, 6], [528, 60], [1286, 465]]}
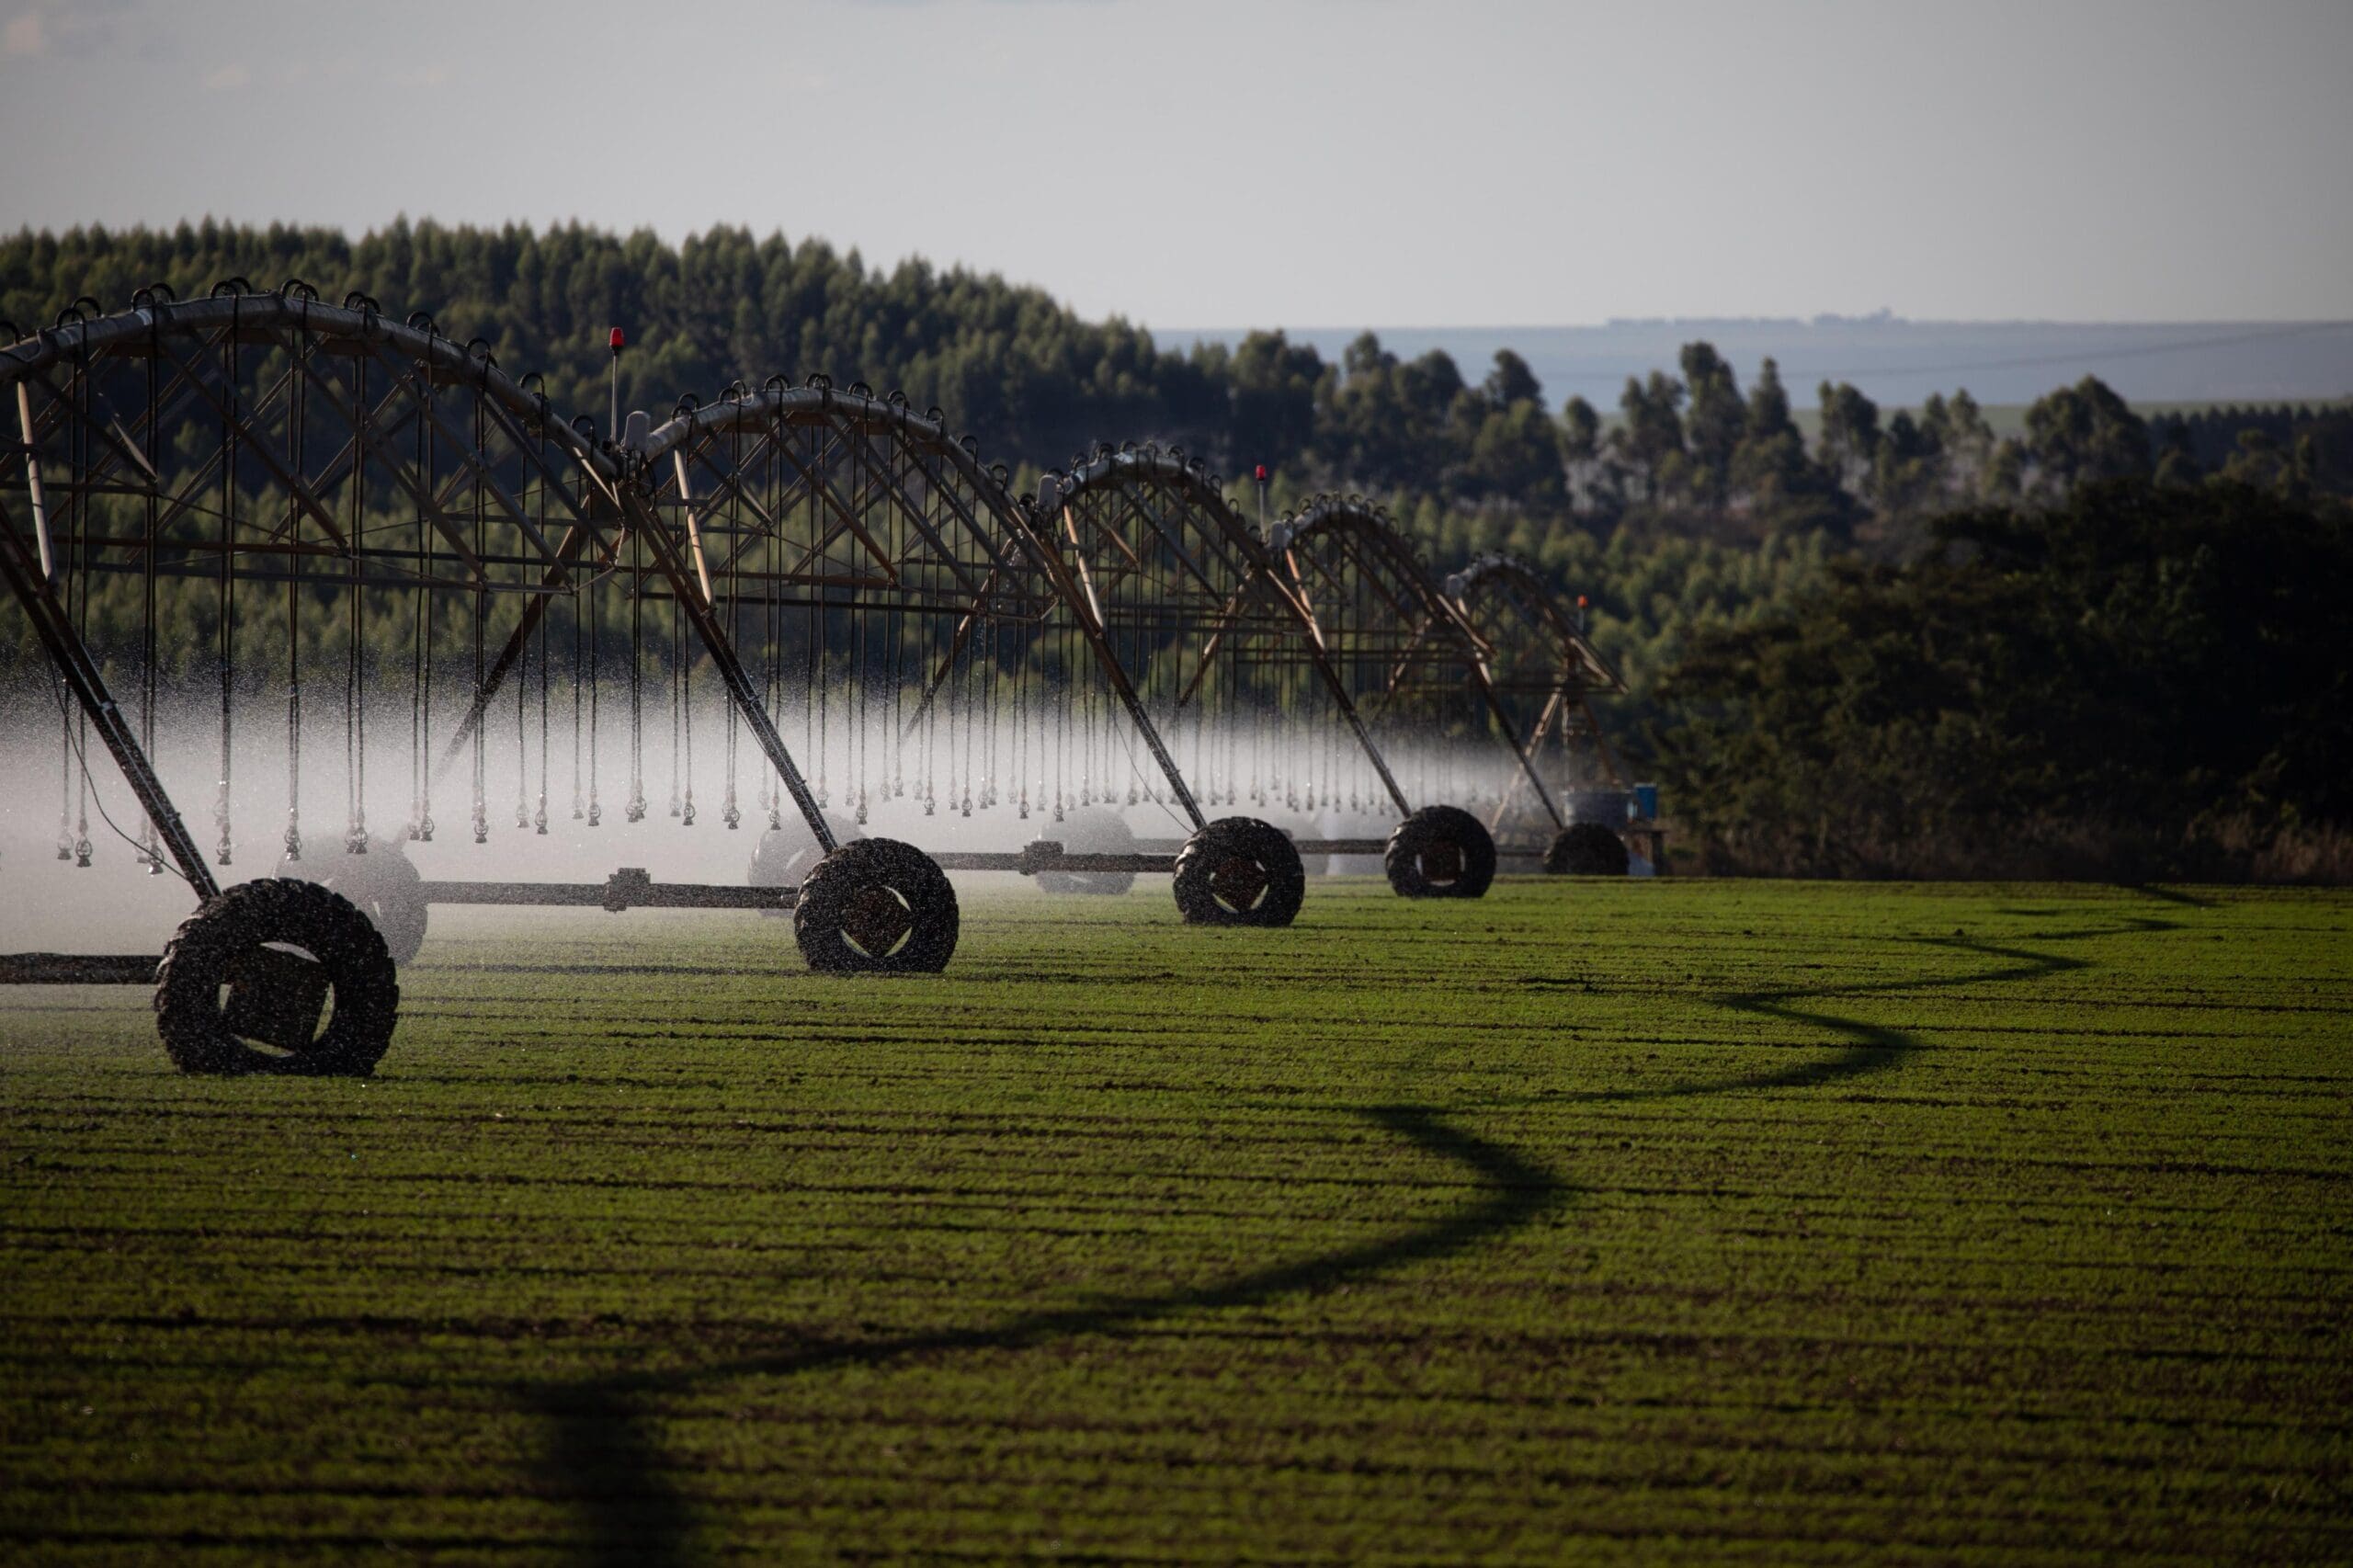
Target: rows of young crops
{"points": [[1637, 1220]]}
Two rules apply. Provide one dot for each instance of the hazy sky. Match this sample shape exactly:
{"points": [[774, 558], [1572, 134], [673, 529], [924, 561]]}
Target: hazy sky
{"points": [[1262, 162]]}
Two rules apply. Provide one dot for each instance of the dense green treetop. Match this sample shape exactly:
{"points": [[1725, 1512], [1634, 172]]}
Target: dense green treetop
{"points": [[2140, 680], [1034, 382]]}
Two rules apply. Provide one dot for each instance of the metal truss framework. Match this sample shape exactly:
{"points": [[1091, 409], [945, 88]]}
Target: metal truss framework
{"points": [[1202, 606], [1543, 671], [1382, 621], [842, 502], [270, 438], [1186, 587]]}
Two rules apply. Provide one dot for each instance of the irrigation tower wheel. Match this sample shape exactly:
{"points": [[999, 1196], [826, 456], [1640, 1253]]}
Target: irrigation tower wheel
{"points": [[1587, 849], [876, 907], [1440, 852], [382, 884], [1239, 871], [1093, 831], [247, 979]]}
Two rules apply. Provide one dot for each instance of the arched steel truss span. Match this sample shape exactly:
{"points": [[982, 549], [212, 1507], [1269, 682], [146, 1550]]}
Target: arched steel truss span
{"points": [[828, 502], [1388, 628], [1193, 600], [253, 436], [843, 503], [1544, 671], [1533, 642]]}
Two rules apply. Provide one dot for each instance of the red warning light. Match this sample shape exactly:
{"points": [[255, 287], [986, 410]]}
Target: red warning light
{"points": [[617, 342], [1581, 601], [1261, 473]]}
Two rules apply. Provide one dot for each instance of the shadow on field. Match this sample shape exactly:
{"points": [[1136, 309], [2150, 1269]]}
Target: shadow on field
{"points": [[602, 1451], [603, 1454], [1877, 1046], [2169, 895]]}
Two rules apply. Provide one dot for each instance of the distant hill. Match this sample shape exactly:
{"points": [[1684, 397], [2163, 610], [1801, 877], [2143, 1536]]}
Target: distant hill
{"points": [[1898, 363]]}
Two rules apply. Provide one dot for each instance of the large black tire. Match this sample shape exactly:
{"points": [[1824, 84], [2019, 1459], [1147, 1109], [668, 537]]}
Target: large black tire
{"points": [[1092, 831], [381, 884], [1239, 871], [1440, 852], [362, 984], [876, 907], [785, 856], [1587, 849]]}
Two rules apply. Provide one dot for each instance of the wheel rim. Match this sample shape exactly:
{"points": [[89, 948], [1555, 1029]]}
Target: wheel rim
{"points": [[1239, 883], [274, 997], [876, 921], [1441, 863]]}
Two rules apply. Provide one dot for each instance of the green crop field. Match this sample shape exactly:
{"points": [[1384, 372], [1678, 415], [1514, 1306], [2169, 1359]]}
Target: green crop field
{"points": [[1597, 1221]]}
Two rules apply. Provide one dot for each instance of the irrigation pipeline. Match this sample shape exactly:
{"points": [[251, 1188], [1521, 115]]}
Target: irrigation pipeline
{"points": [[878, 609]]}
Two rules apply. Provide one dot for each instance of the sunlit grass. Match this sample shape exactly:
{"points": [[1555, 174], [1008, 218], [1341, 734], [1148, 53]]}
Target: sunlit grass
{"points": [[1617, 1221]]}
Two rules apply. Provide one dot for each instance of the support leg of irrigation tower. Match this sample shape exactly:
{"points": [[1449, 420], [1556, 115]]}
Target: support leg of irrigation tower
{"points": [[1320, 657], [66, 651], [740, 690], [1088, 613], [1528, 747], [534, 611], [1475, 662], [948, 666], [1524, 754]]}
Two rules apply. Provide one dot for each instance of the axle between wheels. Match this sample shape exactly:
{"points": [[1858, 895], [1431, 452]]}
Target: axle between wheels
{"points": [[282, 975]]}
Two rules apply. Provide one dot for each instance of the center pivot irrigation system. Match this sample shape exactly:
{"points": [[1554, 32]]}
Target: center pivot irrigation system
{"points": [[400, 528]]}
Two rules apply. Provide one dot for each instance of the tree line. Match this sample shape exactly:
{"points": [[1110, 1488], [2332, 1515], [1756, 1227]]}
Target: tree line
{"points": [[2135, 681], [1689, 450]]}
